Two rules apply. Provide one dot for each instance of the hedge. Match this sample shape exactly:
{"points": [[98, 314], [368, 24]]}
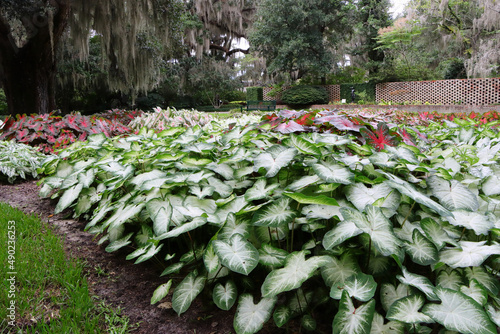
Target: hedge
{"points": [[368, 88], [255, 94]]}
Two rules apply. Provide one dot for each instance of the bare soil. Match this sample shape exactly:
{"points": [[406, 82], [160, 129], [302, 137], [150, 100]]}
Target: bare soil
{"points": [[120, 283]]}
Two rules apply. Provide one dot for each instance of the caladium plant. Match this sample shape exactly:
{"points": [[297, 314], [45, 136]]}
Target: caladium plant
{"points": [[18, 161], [395, 239]]}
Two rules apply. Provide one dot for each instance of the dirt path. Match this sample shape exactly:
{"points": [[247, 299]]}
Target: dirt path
{"points": [[120, 282]]}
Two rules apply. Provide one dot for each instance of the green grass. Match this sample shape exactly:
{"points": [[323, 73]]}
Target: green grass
{"points": [[51, 291]]}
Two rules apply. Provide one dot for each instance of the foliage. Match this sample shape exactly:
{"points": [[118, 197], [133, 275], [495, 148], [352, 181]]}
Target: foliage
{"points": [[120, 115], [305, 95], [255, 94], [18, 160], [49, 132], [3, 103], [364, 92], [163, 119], [347, 74], [287, 225]]}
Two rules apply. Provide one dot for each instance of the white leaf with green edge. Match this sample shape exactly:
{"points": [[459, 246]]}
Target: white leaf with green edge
{"points": [[152, 251], [389, 294], [449, 279], [402, 153], [272, 256], [337, 270], [303, 182], [139, 179], [332, 139], [69, 196], [407, 310], [296, 271], [87, 178], [282, 315], [321, 211], [194, 162], [234, 225], [222, 169], [392, 327], [220, 187], [273, 164], [479, 223], [360, 286], [308, 323], [235, 206], [259, 190], [53, 181], [198, 177], [377, 226], [476, 292], [382, 159], [491, 186], [161, 214], [494, 314], [420, 282], [210, 259], [352, 320], [173, 268], [409, 190], [242, 172], [64, 169], [83, 205], [306, 199], [468, 254], [116, 233], [250, 317], [490, 283], [452, 194], [360, 195], [224, 296], [238, 254], [302, 145], [340, 233], [201, 193], [186, 227], [333, 173], [186, 292], [436, 233], [275, 214], [193, 206], [160, 292], [115, 245], [421, 250], [123, 214], [459, 313], [138, 252]]}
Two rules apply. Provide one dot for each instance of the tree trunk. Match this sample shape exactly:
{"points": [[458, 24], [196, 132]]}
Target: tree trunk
{"points": [[28, 72]]}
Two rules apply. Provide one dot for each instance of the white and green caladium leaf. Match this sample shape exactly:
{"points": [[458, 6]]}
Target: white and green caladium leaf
{"points": [[333, 173], [272, 256], [476, 292], [337, 270], [303, 182], [151, 251], [148, 176], [87, 178], [250, 317], [222, 169], [491, 186], [275, 214], [449, 279], [161, 214], [161, 292], [303, 145], [420, 282], [123, 214], [490, 283], [220, 187], [69, 196], [282, 315], [186, 292], [173, 268], [407, 310], [322, 211], [273, 163], [360, 195], [436, 233], [421, 250], [459, 313], [389, 294], [305, 199], [224, 296], [308, 323], [475, 221], [452, 194], [296, 271], [340, 233], [352, 320], [259, 190], [238, 254], [210, 259], [201, 193], [392, 327], [115, 245], [468, 254], [409, 190], [234, 225], [186, 227], [360, 286], [494, 314]]}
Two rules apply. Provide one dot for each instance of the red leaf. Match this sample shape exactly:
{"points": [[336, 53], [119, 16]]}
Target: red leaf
{"points": [[21, 134], [379, 138], [290, 127]]}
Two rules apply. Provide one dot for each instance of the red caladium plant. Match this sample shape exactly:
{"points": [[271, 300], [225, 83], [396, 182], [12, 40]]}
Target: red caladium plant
{"points": [[379, 137]]}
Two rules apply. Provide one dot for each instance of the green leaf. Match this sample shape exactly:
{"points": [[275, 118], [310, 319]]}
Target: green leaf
{"points": [[152, 251], [224, 296], [282, 315], [479, 274], [275, 214], [161, 292], [420, 282], [238, 254], [421, 250], [459, 313], [259, 190], [173, 268], [468, 254], [296, 271], [452, 194], [305, 199], [115, 245], [272, 256], [186, 292], [352, 320], [407, 310], [308, 323], [192, 225], [69, 196], [361, 286], [273, 163], [250, 317], [333, 173], [302, 145]]}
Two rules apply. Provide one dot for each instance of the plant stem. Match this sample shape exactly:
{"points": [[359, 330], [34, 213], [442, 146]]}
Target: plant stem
{"points": [[192, 247]]}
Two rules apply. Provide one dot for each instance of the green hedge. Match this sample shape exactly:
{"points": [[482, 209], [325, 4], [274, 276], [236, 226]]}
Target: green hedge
{"points": [[305, 95], [255, 94], [365, 92]]}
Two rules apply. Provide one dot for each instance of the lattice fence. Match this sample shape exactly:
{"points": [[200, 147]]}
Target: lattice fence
{"points": [[460, 91], [333, 93]]}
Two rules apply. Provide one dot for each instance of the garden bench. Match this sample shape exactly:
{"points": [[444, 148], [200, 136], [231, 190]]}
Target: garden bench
{"points": [[260, 105]]}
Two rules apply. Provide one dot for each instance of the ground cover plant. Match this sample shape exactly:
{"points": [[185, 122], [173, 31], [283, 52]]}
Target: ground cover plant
{"points": [[161, 119], [50, 292], [383, 239], [18, 161]]}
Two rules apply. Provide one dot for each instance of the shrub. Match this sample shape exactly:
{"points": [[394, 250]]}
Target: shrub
{"points": [[305, 95], [18, 160], [255, 94]]}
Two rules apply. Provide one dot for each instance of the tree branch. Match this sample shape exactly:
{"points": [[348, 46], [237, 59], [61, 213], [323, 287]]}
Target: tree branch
{"points": [[227, 51]]}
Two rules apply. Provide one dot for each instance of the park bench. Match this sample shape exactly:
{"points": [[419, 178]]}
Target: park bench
{"points": [[260, 105]]}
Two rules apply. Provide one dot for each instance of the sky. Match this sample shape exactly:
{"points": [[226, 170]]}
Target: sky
{"points": [[397, 7]]}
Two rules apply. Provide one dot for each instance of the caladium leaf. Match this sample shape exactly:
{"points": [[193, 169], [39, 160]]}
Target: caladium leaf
{"points": [[282, 315], [459, 313], [69, 196], [436, 233], [322, 211], [210, 259], [148, 176], [250, 317], [336, 271], [421, 250], [87, 178], [491, 186], [449, 279], [237, 254], [161, 214], [476, 292], [392, 327], [115, 245], [224, 296], [452, 194], [407, 310], [201, 193], [161, 292], [222, 169], [303, 145], [420, 282], [305, 199], [152, 251], [352, 320], [361, 286], [173, 268], [378, 138], [494, 314], [123, 214], [272, 256], [186, 292], [186, 227], [259, 190], [484, 278], [275, 214], [340, 233], [389, 294], [273, 163], [234, 225], [308, 323], [303, 182], [468, 254], [360, 195], [333, 173], [475, 221]]}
